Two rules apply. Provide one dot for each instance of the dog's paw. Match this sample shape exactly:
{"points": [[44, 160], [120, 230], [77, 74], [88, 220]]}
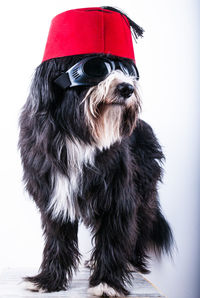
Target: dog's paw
{"points": [[103, 290], [27, 285]]}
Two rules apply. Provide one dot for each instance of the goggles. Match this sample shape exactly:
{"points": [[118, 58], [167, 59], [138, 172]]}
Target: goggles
{"points": [[90, 71]]}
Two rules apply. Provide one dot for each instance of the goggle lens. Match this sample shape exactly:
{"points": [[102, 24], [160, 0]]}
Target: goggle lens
{"points": [[96, 67]]}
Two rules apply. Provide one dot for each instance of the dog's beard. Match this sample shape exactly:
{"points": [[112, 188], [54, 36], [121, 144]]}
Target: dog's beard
{"points": [[108, 115]]}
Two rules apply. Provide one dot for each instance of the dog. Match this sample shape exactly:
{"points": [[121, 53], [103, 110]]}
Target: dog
{"points": [[87, 156]]}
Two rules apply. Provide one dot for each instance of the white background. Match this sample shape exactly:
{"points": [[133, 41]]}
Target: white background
{"points": [[168, 61]]}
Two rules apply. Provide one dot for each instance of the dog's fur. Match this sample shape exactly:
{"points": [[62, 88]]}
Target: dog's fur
{"points": [[87, 156]]}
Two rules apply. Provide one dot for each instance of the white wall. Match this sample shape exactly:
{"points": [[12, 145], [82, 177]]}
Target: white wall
{"points": [[167, 58]]}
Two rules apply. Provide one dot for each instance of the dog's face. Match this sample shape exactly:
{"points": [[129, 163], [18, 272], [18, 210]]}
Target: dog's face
{"points": [[99, 115], [111, 108]]}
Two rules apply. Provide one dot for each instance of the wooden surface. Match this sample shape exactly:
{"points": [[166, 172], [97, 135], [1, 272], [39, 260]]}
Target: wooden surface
{"points": [[11, 286]]}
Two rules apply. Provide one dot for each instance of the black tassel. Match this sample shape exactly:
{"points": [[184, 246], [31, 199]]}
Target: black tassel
{"points": [[136, 30]]}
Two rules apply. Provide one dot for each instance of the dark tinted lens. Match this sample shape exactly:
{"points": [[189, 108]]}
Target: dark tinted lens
{"points": [[123, 68], [96, 68], [132, 70], [128, 68]]}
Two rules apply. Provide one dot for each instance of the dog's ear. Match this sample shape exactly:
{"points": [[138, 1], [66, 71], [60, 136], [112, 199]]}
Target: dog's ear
{"points": [[42, 91], [137, 31], [36, 122]]}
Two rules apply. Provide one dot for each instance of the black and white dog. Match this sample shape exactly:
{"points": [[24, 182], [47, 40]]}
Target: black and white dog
{"points": [[88, 157]]}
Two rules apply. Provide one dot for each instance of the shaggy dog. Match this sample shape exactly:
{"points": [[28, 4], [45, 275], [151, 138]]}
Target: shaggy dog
{"points": [[88, 157]]}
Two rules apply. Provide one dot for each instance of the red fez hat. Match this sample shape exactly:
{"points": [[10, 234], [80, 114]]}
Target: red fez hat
{"points": [[89, 30]]}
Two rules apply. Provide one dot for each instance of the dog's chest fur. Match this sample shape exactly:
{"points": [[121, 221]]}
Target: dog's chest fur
{"points": [[63, 202]]}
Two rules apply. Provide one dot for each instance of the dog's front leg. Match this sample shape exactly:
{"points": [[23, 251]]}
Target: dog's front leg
{"points": [[113, 242], [60, 257]]}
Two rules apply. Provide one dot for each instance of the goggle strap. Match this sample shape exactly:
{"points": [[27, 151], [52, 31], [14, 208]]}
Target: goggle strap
{"points": [[63, 81]]}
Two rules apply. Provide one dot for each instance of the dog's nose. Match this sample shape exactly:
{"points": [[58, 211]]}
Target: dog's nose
{"points": [[125, 89]]}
